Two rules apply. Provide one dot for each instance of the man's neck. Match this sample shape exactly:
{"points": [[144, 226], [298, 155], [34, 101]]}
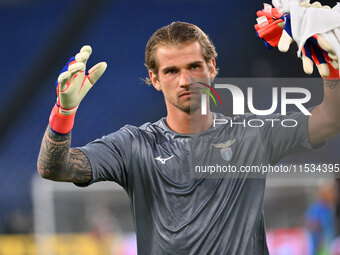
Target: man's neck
{"points": [[189, 123]]}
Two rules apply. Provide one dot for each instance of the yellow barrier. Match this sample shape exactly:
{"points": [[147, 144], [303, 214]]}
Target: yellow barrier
{"points": [[62, 244]]}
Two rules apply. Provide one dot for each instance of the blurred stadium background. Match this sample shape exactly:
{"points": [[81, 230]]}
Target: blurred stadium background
{"points": [[37, 37]]}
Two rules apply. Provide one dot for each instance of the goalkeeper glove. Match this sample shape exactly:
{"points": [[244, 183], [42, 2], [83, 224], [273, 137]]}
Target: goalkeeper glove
{"points": [[273, 27], [316, 48], [72, 85]]}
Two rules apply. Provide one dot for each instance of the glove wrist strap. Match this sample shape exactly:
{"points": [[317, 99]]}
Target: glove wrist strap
{"points": [[59, 123]]}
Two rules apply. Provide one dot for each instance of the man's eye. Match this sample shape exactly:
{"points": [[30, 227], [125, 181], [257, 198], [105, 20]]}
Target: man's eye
{"points": [[170, 71], [195, 67]]}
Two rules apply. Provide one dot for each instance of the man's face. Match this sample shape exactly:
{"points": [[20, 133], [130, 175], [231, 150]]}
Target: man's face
{"points": [[178, 67]]}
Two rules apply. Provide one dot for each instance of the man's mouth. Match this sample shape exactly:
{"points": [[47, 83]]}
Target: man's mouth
{"points": [[189, 93], [185, 94]]}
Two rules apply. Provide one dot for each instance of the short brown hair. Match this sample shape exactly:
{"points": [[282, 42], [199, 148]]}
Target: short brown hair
{"points": [[177, 33]]}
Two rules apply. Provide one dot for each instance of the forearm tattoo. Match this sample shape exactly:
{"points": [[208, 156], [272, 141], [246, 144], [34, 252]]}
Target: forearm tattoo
{"points": [[57, 161], [331, 84]]}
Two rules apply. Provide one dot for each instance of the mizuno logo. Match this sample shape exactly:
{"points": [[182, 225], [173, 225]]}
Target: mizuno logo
{"points": [[163, 160]]}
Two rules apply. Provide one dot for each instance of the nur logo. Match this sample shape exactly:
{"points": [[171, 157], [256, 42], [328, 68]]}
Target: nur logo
{"points": [[239, 99], [204, 97]]}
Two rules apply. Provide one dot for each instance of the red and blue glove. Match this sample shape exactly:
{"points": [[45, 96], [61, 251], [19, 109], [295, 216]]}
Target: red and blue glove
{"points": [[320, 51], [72, 85], [271, 27], [275, 30]]}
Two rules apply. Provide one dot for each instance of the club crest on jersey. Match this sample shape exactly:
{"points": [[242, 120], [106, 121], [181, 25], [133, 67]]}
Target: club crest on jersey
{"points": [[226, 151]]}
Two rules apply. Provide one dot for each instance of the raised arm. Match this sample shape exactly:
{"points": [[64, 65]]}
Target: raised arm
{"points": [[57, 161], [325, 119], [320, 49]]}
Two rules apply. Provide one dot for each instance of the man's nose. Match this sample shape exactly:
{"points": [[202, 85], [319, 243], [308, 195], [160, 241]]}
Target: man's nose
{"points": [[184, 79]]}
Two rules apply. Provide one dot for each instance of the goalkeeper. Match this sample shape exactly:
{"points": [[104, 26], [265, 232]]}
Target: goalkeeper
{"points": [[173, 213]]}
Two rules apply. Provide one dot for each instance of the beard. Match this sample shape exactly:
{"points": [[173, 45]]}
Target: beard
{"points": [[187, 105]]}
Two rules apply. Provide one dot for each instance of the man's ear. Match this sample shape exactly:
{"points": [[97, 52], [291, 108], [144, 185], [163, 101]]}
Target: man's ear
{"points": [[212, 68], [154, 80]]}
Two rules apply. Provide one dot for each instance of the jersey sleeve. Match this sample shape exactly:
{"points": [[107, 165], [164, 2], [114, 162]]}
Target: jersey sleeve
{"points": [[285, 134], [109, 157]]}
